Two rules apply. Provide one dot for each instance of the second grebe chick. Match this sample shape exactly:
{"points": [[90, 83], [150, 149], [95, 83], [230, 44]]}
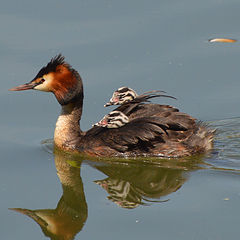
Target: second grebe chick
{"points": [[152, 130], [114, 119], [125, 95]]}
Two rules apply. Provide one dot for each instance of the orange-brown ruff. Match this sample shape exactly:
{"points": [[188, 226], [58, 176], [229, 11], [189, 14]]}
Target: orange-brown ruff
{"points": [[152, 130]]}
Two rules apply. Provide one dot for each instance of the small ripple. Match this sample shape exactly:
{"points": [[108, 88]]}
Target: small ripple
{"points": [[226, 152], [47, 145]]}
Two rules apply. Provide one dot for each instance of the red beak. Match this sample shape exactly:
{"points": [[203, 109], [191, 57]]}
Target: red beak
{"points": [[25, 86]]}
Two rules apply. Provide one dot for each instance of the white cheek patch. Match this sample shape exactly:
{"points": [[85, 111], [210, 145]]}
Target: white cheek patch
{"points": [[46, 85]]}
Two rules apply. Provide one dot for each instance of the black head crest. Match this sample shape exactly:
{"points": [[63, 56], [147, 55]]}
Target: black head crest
{"points": [[52, 65]]}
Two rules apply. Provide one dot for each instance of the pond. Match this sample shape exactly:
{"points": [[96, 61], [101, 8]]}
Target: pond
{"points": [[145, 45]]}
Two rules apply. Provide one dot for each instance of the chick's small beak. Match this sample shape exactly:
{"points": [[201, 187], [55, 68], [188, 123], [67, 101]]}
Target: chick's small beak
{"points": [[107, 104], [25, 86]]}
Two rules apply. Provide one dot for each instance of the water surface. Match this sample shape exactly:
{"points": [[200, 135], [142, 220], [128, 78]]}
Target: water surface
{"points": [[145, 45]]}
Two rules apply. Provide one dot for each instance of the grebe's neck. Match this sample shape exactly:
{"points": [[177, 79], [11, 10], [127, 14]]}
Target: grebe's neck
{"points": [[67, 132]]}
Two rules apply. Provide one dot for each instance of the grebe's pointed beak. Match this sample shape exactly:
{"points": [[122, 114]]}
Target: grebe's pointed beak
{"points": [[25, 86]]}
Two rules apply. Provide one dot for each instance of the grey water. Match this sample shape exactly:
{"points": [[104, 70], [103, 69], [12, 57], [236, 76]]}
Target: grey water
{"points": [[145, 45]]}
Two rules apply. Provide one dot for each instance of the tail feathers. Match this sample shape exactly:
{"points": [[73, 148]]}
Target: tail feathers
{"points": [[202, 139]]}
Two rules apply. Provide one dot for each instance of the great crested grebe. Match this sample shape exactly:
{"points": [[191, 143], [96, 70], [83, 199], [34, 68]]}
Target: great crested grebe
{"points": [[125, 94], [114, 119], [152, 130]]}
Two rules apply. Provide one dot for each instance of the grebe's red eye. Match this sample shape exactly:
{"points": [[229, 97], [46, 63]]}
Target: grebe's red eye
{"points": [[42, 81]]}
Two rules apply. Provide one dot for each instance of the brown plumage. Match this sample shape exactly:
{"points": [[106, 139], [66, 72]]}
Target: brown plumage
{"points": [[152, 130]]}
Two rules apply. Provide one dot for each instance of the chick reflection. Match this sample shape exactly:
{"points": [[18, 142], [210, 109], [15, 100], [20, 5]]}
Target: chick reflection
{"points": [[132, 185], [71, 212]]}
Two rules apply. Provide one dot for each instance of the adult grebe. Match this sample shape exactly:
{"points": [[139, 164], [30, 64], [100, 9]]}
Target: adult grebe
{"points": [[152, 130]]}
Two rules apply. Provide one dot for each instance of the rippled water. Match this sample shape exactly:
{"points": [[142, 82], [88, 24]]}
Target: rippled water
{"points": [[227, 142], [145, 45]]}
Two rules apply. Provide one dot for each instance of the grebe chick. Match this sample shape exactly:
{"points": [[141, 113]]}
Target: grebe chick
{"points": [[152, 130], [125, 94], [121, 95], [114, 119]]}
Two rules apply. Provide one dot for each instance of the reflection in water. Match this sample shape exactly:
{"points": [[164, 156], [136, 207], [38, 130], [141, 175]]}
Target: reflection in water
{"points": [[129, 185], [71, 212]]}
